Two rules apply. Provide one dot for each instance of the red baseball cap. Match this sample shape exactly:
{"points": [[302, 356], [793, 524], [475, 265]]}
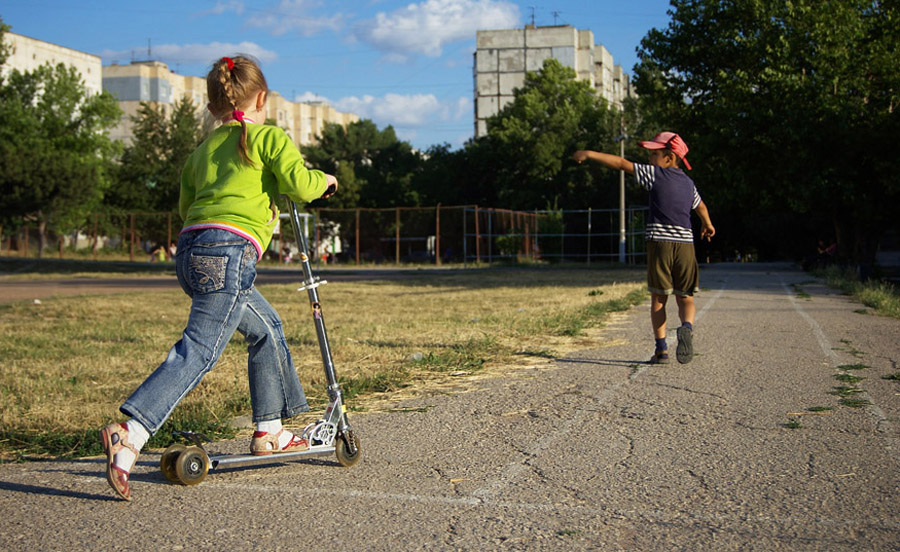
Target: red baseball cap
{"points": [[668, 140]]}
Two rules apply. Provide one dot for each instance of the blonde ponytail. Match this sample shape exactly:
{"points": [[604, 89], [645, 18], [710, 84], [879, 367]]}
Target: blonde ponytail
{"points": [[234, 82]]}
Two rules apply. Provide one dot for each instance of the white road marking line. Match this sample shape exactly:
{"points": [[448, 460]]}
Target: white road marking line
{"points": [[652, 514], [882, 422]]}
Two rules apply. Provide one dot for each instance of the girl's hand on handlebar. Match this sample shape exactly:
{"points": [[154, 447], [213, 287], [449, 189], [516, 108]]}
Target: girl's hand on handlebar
{"points": [[332, 186]]}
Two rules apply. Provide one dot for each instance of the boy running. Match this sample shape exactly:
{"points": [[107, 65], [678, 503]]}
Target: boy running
{"points": [[671, 262]]}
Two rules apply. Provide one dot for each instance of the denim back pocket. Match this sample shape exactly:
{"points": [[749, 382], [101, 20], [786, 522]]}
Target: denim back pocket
{"points": [[207, 273]]}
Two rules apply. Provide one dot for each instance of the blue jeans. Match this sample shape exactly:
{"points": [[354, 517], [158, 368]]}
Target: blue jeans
{"points": [[217, 268]]}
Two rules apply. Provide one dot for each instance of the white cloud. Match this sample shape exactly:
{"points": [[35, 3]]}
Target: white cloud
{"points": [[222, 7], [294, 15], [394, 109], [464, 108], [426, 27], [311, 97], [192, 53], [411, 115]]}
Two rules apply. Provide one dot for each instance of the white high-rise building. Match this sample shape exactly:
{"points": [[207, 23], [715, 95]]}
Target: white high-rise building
{"points": [[502, 58], [27, 54]]}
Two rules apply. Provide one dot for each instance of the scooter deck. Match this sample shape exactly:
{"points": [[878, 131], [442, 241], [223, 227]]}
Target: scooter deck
{"points": [[236, 460]]}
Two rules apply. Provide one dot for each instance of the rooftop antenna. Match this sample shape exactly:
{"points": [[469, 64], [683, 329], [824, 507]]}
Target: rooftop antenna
{"points": [[555, 16], [149, 56], [532, 15]]}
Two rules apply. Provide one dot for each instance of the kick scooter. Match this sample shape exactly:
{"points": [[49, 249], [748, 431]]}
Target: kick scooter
{"points": [[189, 465]]}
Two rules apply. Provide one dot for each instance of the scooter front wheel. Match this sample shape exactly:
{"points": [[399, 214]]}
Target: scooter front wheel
{"points": [[342, 449]]}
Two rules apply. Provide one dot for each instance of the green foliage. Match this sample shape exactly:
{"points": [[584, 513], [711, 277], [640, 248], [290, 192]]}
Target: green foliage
{"points": [[524, 161], [532, 139], [4, 47], [55, 155], [790, 110], [373, 167], [881, 296], [510, 245], [550, 230], [149, 174]]}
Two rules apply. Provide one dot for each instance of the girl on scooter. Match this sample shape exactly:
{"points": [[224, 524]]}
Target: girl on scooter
{"points": [[229, 188]]}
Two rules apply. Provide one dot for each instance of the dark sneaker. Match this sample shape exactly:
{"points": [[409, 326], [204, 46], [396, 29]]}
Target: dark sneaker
{"points": [[659, 357], [685, 351]]}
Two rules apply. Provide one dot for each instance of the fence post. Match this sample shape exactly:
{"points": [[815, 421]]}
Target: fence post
{"points": [[437, 235], [589, 237], [25, 249], [490, 235], [131, 244], [397, 237], [477, 238], [562, 238], [169, 225], [464, 237], [357, 236], [94, 240], [526, 229]]}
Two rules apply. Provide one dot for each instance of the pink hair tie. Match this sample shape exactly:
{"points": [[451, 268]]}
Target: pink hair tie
{"points": [[238, 115], [228, 61]]}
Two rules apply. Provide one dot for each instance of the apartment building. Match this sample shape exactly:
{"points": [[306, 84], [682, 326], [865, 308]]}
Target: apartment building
{"points": [[152, 82], [27, 54], [502, 57]]}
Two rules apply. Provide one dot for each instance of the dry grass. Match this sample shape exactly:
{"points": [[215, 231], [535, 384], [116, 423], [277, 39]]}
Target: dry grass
{"points": [[68, 363]]}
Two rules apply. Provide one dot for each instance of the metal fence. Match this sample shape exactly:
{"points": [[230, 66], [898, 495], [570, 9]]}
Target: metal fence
{"points": [[472, 234], [467, 234]]}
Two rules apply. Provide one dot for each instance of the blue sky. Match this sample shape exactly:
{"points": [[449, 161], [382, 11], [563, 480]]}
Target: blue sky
{"points": [[402, 63]]}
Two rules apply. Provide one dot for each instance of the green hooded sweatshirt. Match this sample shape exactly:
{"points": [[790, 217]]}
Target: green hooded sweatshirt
{"points": [[219, 191]]}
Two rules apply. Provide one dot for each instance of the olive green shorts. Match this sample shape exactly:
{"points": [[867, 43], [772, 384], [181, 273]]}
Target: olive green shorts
{"points": [[672, 268]]}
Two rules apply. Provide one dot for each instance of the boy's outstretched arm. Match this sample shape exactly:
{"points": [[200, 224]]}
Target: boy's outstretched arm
{"points": [[707, 230], [611, 161]]}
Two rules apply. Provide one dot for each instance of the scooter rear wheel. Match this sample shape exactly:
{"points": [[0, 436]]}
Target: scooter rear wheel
{"points": [[342, 449], [167, 461], [192, 465]]}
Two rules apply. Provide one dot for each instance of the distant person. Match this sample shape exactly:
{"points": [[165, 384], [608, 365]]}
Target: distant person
{"points": [[229, 187], [286, 255], [823, 257], [671, 261], [826, 252], [158, 253], [173, 249]]}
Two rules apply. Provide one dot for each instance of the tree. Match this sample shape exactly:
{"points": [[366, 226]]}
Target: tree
{"points": [[447, 176], [4, 47], [149, 174], [55, 155], [791, 106], [373, 167], [530, 143]]}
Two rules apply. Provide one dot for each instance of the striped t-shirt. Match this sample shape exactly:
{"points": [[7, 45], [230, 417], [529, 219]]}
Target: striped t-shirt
{"points": [[672, 198]]}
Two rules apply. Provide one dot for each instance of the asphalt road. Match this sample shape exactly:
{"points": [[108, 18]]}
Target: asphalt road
{"points": [[595, 451], [16, 289]]}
